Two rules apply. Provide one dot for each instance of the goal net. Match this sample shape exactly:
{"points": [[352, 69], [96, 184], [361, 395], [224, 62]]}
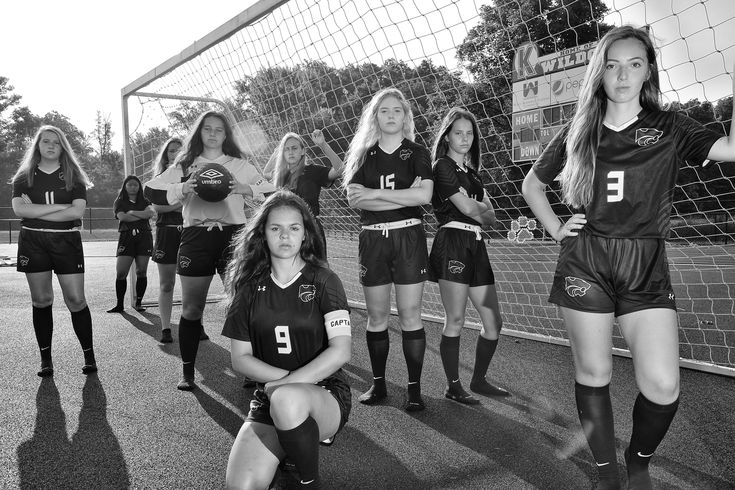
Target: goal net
{"points": [[296, 66]]}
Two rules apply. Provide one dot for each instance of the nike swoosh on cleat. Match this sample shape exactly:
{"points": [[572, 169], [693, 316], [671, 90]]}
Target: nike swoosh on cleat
{"points": [[603, 464], [644, 455]]}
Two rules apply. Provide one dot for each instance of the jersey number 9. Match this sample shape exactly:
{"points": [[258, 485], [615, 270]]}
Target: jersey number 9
{"points": [[283, 339]]}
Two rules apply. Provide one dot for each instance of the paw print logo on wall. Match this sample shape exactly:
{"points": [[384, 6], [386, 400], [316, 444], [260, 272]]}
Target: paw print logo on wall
{"points": [[521, 230]]}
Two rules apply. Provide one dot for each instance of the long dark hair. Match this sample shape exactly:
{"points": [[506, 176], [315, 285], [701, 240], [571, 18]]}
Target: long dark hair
{"points": [[161, 162], [194, 146], [123, 194], [251, 257], [441, 145]]}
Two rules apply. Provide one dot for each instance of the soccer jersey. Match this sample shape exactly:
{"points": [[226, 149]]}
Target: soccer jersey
{"points": [[170, 218], [637, 166], [286, 322], [449, 179], [396, 170], [49, 189], [309, 185], [124, 205], [167, 188]]}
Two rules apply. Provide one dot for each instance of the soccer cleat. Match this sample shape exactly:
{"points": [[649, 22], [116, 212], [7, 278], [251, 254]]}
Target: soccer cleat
{"points": [[116, 309], [139, 307], [166, 336], [47, 369], [482, 387], [373, 395], [89, 368], [461, 397], [414, 404], [186, 384], [203, 335]]}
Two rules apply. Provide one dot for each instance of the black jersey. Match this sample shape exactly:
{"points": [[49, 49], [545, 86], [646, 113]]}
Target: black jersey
{"points": [[49, 189], [396, 170], [286, 323], [449, 179], [309, 185], [637, 166], [171, 218], [124, 205]]}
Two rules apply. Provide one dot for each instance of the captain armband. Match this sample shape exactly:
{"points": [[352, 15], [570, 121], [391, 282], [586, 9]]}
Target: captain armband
{"points": [[337, 323]]}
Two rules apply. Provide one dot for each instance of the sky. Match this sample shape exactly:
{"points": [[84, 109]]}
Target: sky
{"points": [[76, 56]]}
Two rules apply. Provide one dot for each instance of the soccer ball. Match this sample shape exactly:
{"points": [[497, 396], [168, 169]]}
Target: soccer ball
{"points": [[213, 182]]}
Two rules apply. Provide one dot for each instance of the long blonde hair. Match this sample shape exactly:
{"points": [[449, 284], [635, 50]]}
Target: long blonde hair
{"points": [[585, 129], [281, 171], [73, 172], [368, 131], [162, 162]]}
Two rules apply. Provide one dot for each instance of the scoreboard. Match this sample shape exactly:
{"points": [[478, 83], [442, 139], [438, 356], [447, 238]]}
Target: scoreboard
{"points": [[545, 91]]}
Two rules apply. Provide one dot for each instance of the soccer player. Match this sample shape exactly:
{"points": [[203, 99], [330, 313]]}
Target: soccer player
{"points": [[618, 160], [50, 195], [458, 259], [169, 224], [289, 326], [208, 226], [388, 178], [293, 171], [133, 211]]}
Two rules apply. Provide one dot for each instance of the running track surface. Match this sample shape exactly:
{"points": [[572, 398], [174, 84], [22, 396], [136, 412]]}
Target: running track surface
{"points": [[128, 426]]}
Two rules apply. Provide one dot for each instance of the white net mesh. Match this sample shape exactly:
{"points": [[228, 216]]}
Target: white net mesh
{"points": [[306, 65]]}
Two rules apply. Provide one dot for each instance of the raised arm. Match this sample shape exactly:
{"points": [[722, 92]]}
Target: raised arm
{"points": [[724, 148], [317, 136]]}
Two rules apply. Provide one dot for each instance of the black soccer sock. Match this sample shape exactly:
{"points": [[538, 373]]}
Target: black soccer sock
{"points": [[595, 413], [484, 352], [449, 351], [651, 421], [121, 286], [43, 325], [414, 346], [189, 331], [378, 345], [141, 283], [82, 322], [302, 446]]}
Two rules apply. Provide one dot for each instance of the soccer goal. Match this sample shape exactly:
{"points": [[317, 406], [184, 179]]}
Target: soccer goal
{"points": [[300, 65]]}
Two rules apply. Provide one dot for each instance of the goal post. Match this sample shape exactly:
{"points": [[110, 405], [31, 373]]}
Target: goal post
{"points": [[300, 65]]}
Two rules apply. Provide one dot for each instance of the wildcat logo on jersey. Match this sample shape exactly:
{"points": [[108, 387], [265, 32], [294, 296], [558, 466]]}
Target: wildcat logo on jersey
{"points": [[575, 286], [455, 267], [405, 154], [61, 175], [23, 260], [307, 292], [647, 136], [158, 254], [184, 262], [120, 249], [363, 271]]}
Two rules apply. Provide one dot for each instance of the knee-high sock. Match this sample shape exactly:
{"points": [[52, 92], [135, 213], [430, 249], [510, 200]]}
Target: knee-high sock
{"points": [[449, 351], [414, 346], [595, 413], [121, 286], [43, 325], [302, 446], [484, 352], [82, 322], [378, 346], [141, 283], [651, 421], [189, 331]]}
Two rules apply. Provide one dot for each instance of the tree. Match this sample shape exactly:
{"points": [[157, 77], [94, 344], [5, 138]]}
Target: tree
{"points": [[103, 134]]}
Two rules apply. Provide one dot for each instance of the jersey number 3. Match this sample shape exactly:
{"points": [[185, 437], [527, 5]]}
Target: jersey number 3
{"points": [[283, 339], [615, 184]]}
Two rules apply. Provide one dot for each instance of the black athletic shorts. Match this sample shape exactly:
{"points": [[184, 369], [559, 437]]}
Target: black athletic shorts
{"points": [[134, 243], [612, 275], [168, 239], [399, 258], [458, 256], [204, 251], [58, 251], [336, 385]]}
